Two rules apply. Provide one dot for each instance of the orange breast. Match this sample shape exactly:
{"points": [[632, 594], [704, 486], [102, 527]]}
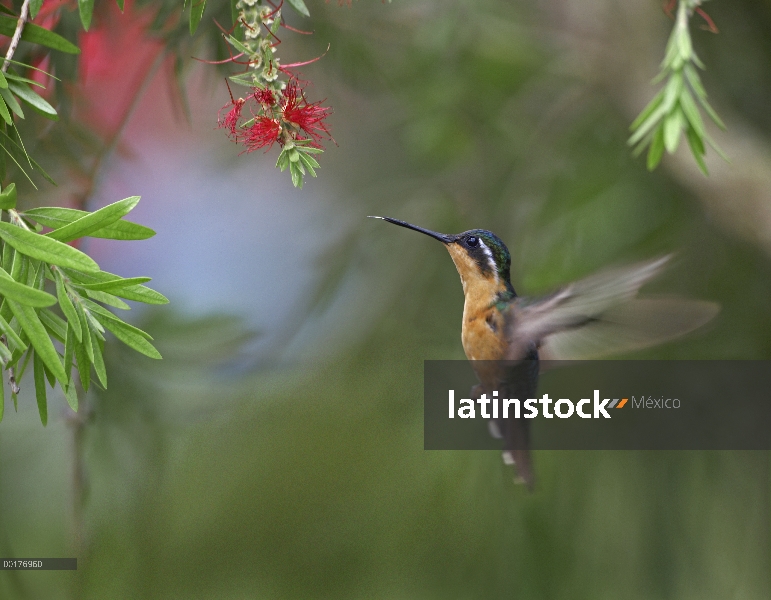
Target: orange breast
{"points": [[482, 334]]}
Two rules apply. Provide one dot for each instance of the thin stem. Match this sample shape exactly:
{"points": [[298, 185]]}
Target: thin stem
{"points": [[16, 35]]}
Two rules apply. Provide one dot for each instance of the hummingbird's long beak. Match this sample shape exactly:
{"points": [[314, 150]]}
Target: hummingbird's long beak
{"points": [[442, 237]]}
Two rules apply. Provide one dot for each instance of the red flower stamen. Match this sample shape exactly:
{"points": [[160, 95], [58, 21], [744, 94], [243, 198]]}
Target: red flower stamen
{"points": [[230, 122], [264, 97], [264, 133], [308, 117]]}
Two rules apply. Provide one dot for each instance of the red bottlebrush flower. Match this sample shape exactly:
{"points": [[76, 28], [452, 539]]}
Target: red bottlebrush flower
{"points": [[264, 132], [230, 122], [264, 97], [307, 117]]}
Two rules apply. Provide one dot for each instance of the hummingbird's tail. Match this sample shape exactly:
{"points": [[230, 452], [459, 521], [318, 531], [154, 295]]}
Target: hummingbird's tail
{"points": [[516, 435], [520, 459]]}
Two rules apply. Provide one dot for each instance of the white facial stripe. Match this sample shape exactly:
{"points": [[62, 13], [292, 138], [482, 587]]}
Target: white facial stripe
{"points": [[490, 259]]}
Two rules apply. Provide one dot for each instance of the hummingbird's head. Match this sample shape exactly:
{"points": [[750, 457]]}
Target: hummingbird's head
{"points": [[482, 259]]}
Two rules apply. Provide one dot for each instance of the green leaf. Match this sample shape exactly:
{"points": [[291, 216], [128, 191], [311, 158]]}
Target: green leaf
{"points": [[40, 389], [55, 325], [35, 34], [84, 366], [8, 197], [5, 354], [33, 99], [140, 293], [34, 8], [55, 218], [196, 12], [72, 396], [656, 151], [712, 114], [107, 299], [2, 399], [94, 221], [127, 334], [691, 112], [238, 45], [27, 80], [86, 8], [104, 315], [39, 338], [4, 113], [3, 80], [11, 335], [673, 125], [697, 149], [300, 7], [67, 308], [101, 372], [46, 249], [646, 112], [120, 5], [69, 354], [115, 284], [24, 293], [11, 102], [86, 332]]}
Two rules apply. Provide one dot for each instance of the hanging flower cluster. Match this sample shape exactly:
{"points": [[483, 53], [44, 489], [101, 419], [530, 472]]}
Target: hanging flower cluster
{"points": [[287, 118], [275, 110]]}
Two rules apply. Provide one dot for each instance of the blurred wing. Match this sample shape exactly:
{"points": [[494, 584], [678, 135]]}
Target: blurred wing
{"points": [[633, 325], [601, 311]]}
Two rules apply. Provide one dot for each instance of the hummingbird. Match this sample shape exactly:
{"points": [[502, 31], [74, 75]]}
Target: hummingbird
{"points": [[505, 335]]}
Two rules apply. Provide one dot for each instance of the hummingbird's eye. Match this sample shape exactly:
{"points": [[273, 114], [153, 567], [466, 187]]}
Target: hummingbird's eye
{"points": [[472, 241]]}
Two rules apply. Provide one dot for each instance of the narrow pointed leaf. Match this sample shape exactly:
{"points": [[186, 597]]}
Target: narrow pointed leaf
{"points": [[34, 8], [140, 293], [69, 352], [67, 308], [196, 13], [38, 35], [55, 218], [45, 249], [72, 396], [86, 332], [12, 103], [101, 372], [107, 318], [84, 366], [24, 293], [39, 338], [11, 335], [107, 299], [130, 338], [86, 9], [55, 325], [4, 112], [40, 389], [656, 150], [115, 284], [299, 6], [673, 126], [24, 92], [94, 221]]}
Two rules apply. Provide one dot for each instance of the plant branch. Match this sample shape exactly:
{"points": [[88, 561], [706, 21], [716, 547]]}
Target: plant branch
{"points": [[16, 34]]}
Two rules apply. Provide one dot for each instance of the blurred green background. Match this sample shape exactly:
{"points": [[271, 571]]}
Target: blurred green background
{"points": [[276, 451]]}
